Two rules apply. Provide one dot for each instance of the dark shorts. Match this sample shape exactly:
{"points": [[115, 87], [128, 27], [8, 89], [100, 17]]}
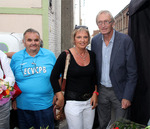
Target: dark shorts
{"points": [[41, 119]]}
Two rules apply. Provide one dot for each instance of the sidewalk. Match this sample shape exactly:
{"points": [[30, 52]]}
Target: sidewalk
{"points": [[63, 125]]}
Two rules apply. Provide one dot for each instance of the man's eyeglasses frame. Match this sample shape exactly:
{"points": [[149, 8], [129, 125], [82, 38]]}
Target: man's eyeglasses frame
{"points": [[104, 22]]}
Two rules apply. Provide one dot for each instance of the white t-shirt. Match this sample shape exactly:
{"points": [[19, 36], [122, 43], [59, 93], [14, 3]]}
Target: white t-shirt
{"points": [[4, 63]]}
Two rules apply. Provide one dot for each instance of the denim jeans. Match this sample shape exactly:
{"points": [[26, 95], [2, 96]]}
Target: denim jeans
{"points": [[36, 119]]}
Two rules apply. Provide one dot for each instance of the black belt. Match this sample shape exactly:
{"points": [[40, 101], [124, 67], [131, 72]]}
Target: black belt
{"points": [[105, 87], [71, 95]]}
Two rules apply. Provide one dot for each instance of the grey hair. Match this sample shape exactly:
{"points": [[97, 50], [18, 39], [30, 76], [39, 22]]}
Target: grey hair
{"points": [[30, 30], [105, 12], [41, 43], [79, 30]]}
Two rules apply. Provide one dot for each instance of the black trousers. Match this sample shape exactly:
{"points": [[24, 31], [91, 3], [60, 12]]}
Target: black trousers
{"points": [[13, 119]]}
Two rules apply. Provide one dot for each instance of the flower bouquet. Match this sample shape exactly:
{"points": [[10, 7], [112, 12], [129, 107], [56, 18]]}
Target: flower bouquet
{"points": [[126, 124], [6, 92]]}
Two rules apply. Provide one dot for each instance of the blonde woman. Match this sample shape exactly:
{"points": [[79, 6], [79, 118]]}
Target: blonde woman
{"points": [[81, 89]]}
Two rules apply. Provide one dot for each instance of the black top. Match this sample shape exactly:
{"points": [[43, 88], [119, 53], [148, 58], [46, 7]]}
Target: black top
{"points": [[80, 79]]}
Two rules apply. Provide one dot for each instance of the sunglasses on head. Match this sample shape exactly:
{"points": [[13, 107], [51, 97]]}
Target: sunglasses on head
{"points": [[78, 27]]}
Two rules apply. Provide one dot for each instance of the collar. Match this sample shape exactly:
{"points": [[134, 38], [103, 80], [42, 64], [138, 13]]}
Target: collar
{"points": [[112, 38]]}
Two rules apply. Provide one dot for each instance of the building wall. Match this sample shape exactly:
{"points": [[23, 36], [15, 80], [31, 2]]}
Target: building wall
{"points": [[60, 25], [121, 20], [19, 23], [95, 32], [66, 23], [17, 16], [55, 22], [55, 27], [21, 3]]}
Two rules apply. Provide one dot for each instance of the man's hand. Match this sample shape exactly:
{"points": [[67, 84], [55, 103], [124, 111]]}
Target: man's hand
{"points": [[14, 104], [125, 103]]}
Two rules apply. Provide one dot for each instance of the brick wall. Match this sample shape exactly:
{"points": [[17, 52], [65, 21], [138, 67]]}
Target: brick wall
{"points": [[55, 27], [121, 20]]}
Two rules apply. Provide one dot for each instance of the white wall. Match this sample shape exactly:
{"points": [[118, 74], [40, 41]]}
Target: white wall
{"points": [[20, 3], [55, 27], [19, 23]]}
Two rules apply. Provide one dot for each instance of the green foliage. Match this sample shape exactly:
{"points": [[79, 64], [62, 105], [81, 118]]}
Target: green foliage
{"points": [[126, 124], [148, 127], [41, 127]]}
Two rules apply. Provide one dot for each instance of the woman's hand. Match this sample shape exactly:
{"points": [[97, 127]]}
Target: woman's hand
{"points": [[94, 100], [58, 100]]}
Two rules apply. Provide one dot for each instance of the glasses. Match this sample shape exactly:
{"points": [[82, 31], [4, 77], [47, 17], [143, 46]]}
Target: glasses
{"points": [[104, 22], [78, 27]]}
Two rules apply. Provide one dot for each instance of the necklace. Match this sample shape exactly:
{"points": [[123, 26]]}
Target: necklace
{"points": [[82, 57]]}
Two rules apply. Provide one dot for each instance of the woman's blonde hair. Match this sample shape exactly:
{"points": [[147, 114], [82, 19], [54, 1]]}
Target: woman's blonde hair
{"points": [[79, 29]]}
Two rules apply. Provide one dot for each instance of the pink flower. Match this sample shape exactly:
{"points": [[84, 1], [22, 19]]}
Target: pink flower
{"points": [[5, 92], [1, 90], [4, 87], [1, 96]]}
